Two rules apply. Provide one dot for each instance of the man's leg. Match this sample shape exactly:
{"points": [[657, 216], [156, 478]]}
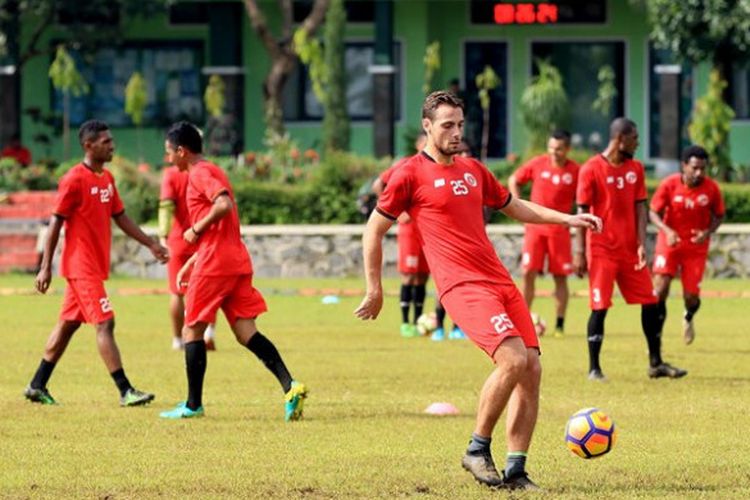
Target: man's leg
{"points": [[408, 280], [692, 274], [57, 342], [662, 283], [419, 294], [692, 304], [195, 364], [561, 302], [529, 282], [177, 315], [595, 338]]}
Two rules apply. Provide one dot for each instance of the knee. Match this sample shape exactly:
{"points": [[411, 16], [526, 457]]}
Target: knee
{"points": [[515, 364], [106, 328], [534, 368]]}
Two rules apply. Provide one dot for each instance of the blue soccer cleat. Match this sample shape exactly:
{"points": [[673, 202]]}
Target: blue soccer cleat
{"points": [[457, 334], [182, 411], [438, 335], [295, 401]]}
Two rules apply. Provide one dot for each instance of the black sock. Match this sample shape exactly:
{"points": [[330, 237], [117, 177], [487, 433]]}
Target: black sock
{"points": [[690, 311], [195, 365], [405, 303], [478, 445], [440, 314], [650, 325], [269, 355], [122, 382], [662, 309], [420, 291], [595, 337], [560, 323], [42, 375]]}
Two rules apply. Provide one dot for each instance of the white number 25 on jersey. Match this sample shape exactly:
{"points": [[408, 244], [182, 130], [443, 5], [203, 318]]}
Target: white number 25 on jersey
{"points": [[459, 188]]}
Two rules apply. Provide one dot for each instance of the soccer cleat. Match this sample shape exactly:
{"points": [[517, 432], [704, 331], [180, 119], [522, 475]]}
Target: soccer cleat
{"points": [[482, 467], [41, 396], [559, 333], [134, 397], [456, 334], [438, 335], [295, 401], [408, 331], [666, 370], [597, 376], [519, 482], [182, 411], [688, 332]]}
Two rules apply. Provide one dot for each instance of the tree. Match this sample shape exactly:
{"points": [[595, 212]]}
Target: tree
{"points": [[66, 78], [710, 126], [336, 118], [136, 100], [281, 52], [544, 105], [487, 81], [432, 63], [214, 97], [606, 92]]}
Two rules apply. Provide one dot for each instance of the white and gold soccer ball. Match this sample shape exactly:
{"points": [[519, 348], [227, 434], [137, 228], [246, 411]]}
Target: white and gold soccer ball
{"points": [[427, 323], [540, 326]]}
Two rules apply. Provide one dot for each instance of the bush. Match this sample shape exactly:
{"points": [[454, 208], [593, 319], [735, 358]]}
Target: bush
{"points": [[14, 177]]}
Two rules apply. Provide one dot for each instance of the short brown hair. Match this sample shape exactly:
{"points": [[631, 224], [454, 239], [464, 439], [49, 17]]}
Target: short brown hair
{"points": [[434, 100]]}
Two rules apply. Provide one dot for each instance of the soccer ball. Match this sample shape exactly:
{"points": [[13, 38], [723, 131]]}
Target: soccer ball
{"points": [[540, 326], [427, 323], [590, 433]]}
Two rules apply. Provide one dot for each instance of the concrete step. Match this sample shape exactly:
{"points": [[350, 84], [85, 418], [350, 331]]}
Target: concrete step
{"points": [[19, 261], [11, 243], [25, 212], [43, 198]]}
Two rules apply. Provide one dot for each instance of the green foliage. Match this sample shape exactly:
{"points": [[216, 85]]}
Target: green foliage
{"points": [[544, 105], [310, 52], [432, 63], [607, 91], [65, 76], [710, 126], [336, 129], [14, 177], [136, 98], [486, 81], [214, 97]]}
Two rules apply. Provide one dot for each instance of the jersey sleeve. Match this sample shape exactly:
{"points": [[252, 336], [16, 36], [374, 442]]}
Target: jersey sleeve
{"points": [[641, 194], [117, 206], [660, 199], [396, 197], [386, 175], [718, 202], [524, 173], [167, 191], [494, 194], [68, 196], [206, 184], [585, 188]]}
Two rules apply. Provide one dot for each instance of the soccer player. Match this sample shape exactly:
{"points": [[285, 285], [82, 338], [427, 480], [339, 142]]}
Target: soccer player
{"points": [[687, 208], [86, 201], [611, 185], [173, 221], [222, 276], [444, 195], [411, 261], [554, 178]]}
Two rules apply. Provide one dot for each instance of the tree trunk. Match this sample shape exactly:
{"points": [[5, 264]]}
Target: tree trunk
{"points": [[485, 133], [273, 92], [66, 126]]}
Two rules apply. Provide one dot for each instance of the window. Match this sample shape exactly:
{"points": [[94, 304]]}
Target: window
{"points": [[173, 79], [523, 12], [357, 11], [658, 59], [90, 13], [477, 55], [188, 13], [300, 103], [579, 64], [739, 89]]}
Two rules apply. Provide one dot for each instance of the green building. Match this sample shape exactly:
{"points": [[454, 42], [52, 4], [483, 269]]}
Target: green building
{"points": [[177, 51]]}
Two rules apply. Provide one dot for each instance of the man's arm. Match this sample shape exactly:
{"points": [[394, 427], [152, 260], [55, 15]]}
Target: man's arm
{"points": [[221, 207], [372, 250], [378, 186], [701, 236], [514, 186], [44, 276], [131, 229], [579, 246], [532, 213], [671, 234], [641, 212]]}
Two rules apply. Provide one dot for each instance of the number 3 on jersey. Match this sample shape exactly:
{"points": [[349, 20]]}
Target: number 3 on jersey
{"points": [[459, 188]]}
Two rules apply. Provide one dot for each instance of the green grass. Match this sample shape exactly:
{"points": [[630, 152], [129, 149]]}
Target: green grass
{"points": [[365, 434]]}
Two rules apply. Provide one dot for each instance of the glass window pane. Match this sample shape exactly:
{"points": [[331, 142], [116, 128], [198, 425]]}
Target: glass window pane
{"points": [[477, 56]]}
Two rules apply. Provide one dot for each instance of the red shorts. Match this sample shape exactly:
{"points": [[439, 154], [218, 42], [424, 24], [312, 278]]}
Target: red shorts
{"points": [[411, 259], [86, 301], [635, 286], [555, 245], [489, 313], [174, 264], [235, 295], [691, 262]]}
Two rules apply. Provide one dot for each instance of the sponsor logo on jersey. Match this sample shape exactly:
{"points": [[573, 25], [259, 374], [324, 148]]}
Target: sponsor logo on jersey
{"points": [[470, 179], [94, 190], [567, 179], [439, 183], [678, 198], [555, 179], [631, 177], [702, 200], [546, 175]]}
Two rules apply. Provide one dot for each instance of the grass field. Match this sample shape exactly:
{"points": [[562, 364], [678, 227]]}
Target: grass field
{"points": [[365, 434]]}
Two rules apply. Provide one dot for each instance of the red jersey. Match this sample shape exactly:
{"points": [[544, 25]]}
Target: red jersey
{"points": [[611, 193], [385, 175], [221, 251], [553, 187], [87, 201], [445, 204], [685, 209], [174, 187]]}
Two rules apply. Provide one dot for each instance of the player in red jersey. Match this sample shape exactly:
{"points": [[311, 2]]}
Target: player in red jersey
{"points": [[222, 276], [173, 221], [612, 186], [86, 202], [554, 178], [411, 260], [444, 195], [687, 208]]}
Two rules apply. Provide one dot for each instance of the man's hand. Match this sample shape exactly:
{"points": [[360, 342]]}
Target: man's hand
{"points": [[672, 237], [43, 279], [641, 258], [370, 306], [700, 235], [190, 235], [586, 221], [579, 263], [159, 252]]}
